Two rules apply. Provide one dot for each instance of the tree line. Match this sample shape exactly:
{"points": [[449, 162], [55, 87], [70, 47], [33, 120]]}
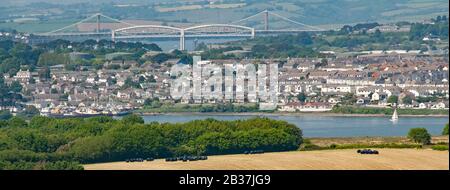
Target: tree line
{"points": [[44, 142]]}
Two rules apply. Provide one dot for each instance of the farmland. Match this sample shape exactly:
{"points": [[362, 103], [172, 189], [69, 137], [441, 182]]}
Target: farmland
{"points": [[388, 159]]}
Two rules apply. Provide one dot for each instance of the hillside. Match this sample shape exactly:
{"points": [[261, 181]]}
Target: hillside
{"points": [[326, 13]]}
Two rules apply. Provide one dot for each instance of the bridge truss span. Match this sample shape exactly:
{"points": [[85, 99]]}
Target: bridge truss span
{"points": [[145, 31], [208, 30], [220, 30]]}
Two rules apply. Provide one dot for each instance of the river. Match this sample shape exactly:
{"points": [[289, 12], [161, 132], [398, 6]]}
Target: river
{"points": [[330, 126]]}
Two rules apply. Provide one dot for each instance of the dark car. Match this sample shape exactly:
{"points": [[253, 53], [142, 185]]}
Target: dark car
{"points": [[367, 151]]}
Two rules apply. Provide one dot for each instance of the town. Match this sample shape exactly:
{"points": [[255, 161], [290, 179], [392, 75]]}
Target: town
{"points": [[375, 79]]}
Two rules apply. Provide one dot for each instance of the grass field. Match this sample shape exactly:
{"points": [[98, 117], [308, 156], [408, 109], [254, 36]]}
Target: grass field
{"points": [[388, 159]]}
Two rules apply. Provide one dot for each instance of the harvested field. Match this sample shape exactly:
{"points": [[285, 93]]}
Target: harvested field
{"points": [[388, 159]]}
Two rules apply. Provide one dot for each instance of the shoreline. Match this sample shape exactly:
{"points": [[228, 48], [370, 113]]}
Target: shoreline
{"points": [[320, 114]]}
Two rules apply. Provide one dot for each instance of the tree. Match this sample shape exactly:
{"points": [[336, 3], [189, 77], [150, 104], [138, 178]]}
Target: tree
{"points": [[44, 73], [349, 99], [419, 135], [301, 97], [132, 119], [392, 99], [160, 58], [156, 104], [445, 131], [17, 122], [29, 112], [407, 100], [5, 115], [15, 87]]}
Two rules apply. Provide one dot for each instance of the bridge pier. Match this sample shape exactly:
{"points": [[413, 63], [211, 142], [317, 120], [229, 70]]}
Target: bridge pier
{"points": [[113, 36], [182, 40]]}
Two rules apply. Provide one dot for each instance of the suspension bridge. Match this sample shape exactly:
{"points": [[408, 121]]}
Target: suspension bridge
{"points": [[99, 26]]}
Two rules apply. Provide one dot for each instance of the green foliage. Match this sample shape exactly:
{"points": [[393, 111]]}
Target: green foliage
{"points": [[15, 87], [16, 122], [392, 99], [349, 99], [49, 143], [388, 145], [228, 107], [129, 83], [49, 59], [159, 58], [9, 95], [5, 115], [440, 147], [301, 97], [407, 100], [419, 135], [44, 73], [29, 112], [439, 28], [309, 146], [445, 130], [386, 111], [133, 119], [152, 103]]}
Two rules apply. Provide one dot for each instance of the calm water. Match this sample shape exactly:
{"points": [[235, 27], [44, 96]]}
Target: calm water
{"points": [[331, 126]]}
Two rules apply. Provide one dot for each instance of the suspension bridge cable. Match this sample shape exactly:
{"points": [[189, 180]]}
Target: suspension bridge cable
{"points": [[244, 19], [87, 19], [80, 22], [295, 22], [117, 20]]}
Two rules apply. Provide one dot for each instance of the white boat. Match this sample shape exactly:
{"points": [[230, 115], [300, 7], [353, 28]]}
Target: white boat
{"points": [[394, 116]]}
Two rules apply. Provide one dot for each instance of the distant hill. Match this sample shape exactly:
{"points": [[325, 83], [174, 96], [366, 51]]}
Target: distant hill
{"points": [[326, 13]]}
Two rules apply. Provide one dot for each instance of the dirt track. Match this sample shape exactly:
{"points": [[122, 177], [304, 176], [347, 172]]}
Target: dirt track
{"points": [[388, 159]]}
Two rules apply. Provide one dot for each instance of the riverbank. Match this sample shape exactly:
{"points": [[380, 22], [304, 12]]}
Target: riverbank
{"points": [[388, 159], [325, 114]]}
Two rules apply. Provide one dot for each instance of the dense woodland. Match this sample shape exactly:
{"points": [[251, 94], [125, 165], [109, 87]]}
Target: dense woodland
{"points": [[50, 143]]}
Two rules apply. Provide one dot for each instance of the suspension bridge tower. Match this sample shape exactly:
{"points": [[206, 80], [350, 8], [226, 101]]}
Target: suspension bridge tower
{"points": [[266, 20]]}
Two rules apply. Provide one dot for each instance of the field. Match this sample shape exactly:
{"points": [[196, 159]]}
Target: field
{"points": [[388, 159]]}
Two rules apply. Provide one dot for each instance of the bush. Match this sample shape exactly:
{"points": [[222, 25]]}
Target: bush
{"points": [[445, 131], [5, 115], [440, 147], [132, 119], [419, 135], [41, 165], [389, 145]]}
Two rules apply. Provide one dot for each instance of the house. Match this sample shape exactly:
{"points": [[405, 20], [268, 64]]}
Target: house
{"points": [[379, 96], [125, 94], [439, 105], [423, 105], [23, 76], [315, 107], [290, 107], [336, 89]]}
